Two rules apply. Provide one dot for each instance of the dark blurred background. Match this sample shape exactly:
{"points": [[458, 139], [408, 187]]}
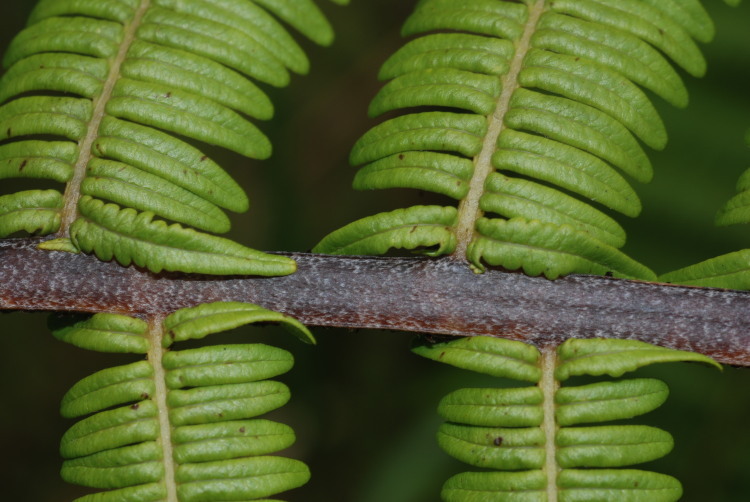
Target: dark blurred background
{"points": [[363, 406]]}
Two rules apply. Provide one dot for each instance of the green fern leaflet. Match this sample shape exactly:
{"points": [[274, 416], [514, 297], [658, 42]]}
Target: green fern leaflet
{"points": [[181, 425], [535, 443], [535, 111], [108, 99]]}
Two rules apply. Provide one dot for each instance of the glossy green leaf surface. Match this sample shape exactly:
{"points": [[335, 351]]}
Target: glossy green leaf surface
{"points": [[224, 364], [108, 388], [415, 227], [623, 399], [527, 486], [33, 211], [431, 171], [624, 484], [249, 478], [132, 237], [518, 197], [238, 438], [493, 407], [545, 248], [104, 333], [202, 320], [610, 446], [492, 447]]}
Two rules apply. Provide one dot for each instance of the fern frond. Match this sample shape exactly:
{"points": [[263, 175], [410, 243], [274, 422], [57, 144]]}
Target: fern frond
{"points": [[529, 429], [104, 98], [525, 111], [181, 425]]}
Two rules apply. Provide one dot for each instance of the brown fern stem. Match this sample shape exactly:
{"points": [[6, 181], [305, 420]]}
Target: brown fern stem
{"points": [[436, 296]]}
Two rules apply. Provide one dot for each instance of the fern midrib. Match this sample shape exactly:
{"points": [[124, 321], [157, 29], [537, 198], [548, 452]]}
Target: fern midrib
{"points": [[468, 209], [155, 357], [73, 189], [549, 386]]}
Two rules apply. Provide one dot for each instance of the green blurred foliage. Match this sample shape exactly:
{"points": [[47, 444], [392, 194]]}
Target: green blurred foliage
{"points": [[364, 407]]}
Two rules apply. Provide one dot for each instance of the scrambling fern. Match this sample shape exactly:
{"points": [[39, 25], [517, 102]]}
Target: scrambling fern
{"points": [[532, 106], [532, 441], [108, 97], [181, 425]]}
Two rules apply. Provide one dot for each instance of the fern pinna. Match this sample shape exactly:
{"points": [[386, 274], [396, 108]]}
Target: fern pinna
{"points": [[532, 439], [180, 425], [107, 98], [532, 106], [529, 114]]}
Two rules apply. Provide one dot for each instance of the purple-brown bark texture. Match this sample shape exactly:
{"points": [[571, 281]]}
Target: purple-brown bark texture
{"points": [[434, 296]]}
